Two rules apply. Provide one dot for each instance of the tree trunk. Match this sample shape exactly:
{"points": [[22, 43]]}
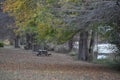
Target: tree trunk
{"points": [[80, 54], [17, 42], [91, 46], [83, 46], [70, 44], [28, 41], [36, 47]]}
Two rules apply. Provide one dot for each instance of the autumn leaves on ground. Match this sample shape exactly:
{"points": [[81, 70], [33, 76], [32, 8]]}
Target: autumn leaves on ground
{"points": [[18, 64]]}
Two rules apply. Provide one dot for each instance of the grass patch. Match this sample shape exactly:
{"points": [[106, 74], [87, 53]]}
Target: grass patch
{"points": [[72, 53], [1, 44], [114, 64]]}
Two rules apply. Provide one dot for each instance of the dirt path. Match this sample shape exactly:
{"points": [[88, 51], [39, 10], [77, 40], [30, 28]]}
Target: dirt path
{"points": [[18, 64]]}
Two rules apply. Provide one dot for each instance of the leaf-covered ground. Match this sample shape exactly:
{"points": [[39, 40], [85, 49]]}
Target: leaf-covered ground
{"points": [[18, 64]]}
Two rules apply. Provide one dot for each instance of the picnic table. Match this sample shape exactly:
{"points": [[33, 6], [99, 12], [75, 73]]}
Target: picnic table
{"points": [[43, 52]]}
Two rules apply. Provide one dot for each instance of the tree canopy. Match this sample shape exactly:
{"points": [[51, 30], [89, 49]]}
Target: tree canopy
{"points": [[59, 20]]}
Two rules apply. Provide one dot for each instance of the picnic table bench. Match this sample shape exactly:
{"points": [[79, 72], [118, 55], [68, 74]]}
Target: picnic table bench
{"points": [[43, 52]]}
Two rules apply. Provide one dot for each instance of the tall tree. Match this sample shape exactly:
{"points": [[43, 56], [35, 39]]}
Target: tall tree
{"points": [[61, 20]]}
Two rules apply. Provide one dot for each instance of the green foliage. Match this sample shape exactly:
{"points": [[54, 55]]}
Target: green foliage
{"points": [[102, 61], [1, 44], [41, 18], [114, 37], [109, 32]]}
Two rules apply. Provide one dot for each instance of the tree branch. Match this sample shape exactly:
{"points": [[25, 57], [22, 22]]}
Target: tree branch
{"points": [[117, 3]]}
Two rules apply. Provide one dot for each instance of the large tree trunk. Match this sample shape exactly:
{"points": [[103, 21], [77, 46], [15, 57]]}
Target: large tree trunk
{"points": [[91, 46], [83, 46], [16, 44]]}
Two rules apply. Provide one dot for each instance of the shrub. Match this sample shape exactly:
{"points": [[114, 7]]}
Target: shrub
{"points": [[72, 53], [1, 44], [61, 49]]}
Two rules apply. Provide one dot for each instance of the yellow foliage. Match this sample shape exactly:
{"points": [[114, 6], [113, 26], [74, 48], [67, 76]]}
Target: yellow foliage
{"points": [[37, 12]]}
